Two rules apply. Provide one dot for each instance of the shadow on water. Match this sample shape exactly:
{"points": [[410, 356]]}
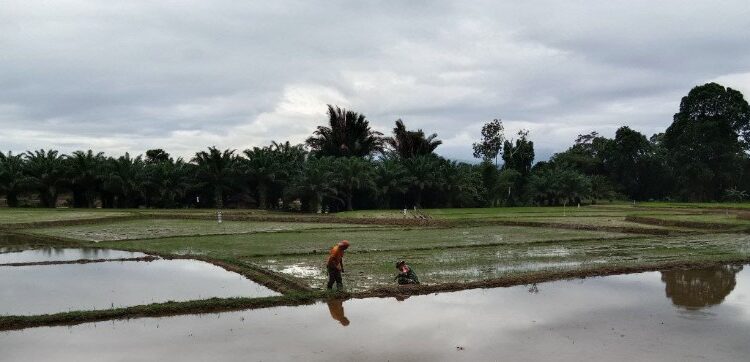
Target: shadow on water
{"points": [[696, 289]]}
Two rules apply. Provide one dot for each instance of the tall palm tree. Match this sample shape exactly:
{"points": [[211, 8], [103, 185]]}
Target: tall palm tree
{"points": [[216, 170], [167, 182], [263, 167], [459, 183], [316, 182], [424, 171], [46, 174], [124, 180], [13, 181], [392, 178], [354, 174], [408, 144], [348, 134], [84, 173]]}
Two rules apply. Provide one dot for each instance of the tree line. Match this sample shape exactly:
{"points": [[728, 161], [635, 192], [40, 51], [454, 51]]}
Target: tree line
{"points": [[346, 165]]}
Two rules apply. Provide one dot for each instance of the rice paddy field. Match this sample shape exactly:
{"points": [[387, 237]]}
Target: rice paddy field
{"points": [[450, 249]]}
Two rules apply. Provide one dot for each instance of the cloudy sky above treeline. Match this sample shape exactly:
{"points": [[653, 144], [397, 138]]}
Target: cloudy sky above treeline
{"points": [[127, 76]]}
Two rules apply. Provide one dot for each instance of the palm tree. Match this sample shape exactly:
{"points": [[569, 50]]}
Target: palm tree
{"points": [[354, 174], [124, 180], [424, 171], [263, 167], [46, 174], [348, 135], [408, 144], [459, 183], [84, 173], [167, 182], [391, 177], [13, 181], [216, 170], [316, 182]]}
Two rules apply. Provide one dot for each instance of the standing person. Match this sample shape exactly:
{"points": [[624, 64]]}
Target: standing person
{"points": [[335, 264]]}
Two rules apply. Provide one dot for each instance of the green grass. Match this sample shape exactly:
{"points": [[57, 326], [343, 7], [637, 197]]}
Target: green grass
{"points": [[515, 212], [470, 264], [697, 205], [19, 215], [160, 228], [362, 239]]}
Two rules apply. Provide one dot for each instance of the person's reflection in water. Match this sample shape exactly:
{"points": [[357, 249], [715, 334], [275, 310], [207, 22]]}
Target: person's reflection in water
{"points": [[695, 289], [336, 307]]}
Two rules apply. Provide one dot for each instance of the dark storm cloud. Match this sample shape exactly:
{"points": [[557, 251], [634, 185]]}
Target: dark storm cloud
{"points": [[182, 75]]}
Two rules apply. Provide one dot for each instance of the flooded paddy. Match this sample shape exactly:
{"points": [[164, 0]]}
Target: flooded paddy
{"points": [[674, 315], [41, 289], [51, 254]]}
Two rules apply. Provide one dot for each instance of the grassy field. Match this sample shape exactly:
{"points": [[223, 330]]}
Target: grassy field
{"points": [[161, 228], [447, 247], [14, 216]]}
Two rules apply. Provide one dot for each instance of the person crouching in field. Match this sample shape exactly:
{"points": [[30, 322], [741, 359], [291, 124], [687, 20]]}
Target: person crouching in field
{"points": [[335, 264], [405, 274]]}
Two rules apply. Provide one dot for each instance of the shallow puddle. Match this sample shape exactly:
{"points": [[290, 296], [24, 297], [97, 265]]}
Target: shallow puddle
{"points": [[11, 255], [40, 289], [669, 316]]}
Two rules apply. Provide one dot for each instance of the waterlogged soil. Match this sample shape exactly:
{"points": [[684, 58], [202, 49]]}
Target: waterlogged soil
{"points": [[365, 270], [678, 315], [42, 289], [10, 255], [156, 228], [363, 239]]}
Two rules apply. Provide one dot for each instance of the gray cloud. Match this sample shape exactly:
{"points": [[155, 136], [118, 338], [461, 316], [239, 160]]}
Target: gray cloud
{"points": [[188, 74]]}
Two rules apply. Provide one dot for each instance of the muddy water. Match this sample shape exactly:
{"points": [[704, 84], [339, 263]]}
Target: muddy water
{"points": [[11, 255], [670, 316], [26, 290]]}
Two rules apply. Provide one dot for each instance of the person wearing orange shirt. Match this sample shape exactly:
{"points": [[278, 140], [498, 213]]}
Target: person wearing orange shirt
{"points": [[335, 264]]}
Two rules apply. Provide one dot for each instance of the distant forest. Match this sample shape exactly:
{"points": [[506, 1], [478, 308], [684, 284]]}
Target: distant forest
{"points": [[346, 165]]}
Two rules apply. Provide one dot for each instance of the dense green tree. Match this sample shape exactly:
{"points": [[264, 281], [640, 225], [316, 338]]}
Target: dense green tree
{"points": [[316, 183], [263, 166], [491, 144], [392, 180], [13, 180], [706, 141], [348, 134], [123, 180], [353, 174], [519, 155], [168, 183], [627, 159], [217, 170], [555, 184], [424, 173], [408, 144], [84, 175], [460, 184], [490, 177], [586, 155], [46, 175], [157, 155]]}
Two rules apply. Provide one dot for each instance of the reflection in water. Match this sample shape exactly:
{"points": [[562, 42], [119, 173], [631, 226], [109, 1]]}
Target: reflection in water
{"points": [[336, 307], [39, 289], [614, 318], [699, 288]]}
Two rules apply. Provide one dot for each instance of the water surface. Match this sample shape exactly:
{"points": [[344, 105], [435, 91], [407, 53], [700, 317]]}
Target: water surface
{"points": [[670, 316], [14, 255], [40, 289]]}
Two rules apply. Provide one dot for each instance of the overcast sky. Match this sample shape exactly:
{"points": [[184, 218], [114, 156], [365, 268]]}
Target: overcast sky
{"points": [[120, 76]]}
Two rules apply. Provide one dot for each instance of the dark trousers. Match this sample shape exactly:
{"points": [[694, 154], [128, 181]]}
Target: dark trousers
{"points": [[334, 275]]}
